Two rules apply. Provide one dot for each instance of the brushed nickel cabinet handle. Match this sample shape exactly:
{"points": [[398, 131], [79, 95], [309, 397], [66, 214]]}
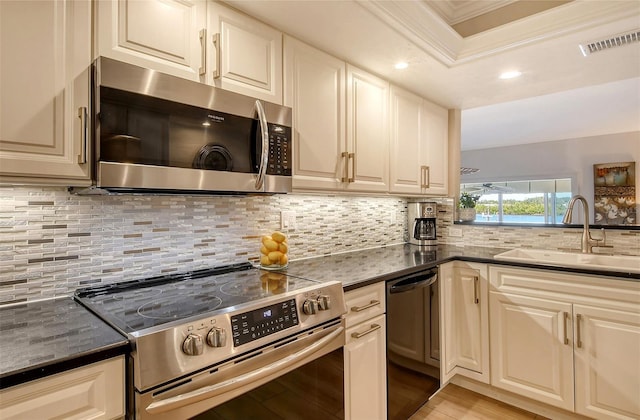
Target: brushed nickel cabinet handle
{"points": [[345, 177], [565, 321], [216, 43], [374, 327], [421, 176], [578, 332], [476, 281], [427, 172], [84, 124], [364, 307], [352, 158], [203, 52]]}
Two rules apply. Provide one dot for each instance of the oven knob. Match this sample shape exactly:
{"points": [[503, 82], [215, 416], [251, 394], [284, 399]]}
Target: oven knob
{"points": [[192, 345], [217, 337], [324, 302], [310, 307]]}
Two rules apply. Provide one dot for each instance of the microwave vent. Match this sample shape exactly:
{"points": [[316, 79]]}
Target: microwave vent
{"points": [[612, 42]]}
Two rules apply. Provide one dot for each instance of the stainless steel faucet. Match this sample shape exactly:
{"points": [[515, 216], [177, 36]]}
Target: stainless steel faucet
{"points": [[587, 241]]}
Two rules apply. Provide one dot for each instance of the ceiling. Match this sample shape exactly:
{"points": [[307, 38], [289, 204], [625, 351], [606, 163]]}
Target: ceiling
{"points": [[561, 93]]}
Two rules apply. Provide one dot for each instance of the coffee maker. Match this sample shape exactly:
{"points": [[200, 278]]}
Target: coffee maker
{"points": [[421, 221]]}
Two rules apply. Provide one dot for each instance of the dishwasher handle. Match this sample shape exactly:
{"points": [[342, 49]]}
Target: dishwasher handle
{"points": [[413, 282]]}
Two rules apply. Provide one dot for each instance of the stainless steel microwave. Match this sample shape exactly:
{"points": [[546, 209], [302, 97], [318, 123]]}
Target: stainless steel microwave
{"points": [[160, 133]]}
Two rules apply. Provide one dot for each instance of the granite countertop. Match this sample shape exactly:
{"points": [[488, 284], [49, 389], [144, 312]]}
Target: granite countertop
{"points": [[360, 268], [42, 338], [46, 337]]}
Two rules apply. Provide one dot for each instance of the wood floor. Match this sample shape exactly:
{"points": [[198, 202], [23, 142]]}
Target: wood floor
{"points": [[454, 402]]}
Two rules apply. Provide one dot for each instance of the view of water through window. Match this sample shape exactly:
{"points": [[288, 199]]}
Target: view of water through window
{"points": [[535, 201]]}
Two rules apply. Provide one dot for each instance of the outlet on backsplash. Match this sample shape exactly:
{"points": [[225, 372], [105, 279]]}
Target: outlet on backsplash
{"points": [[287, 219]]}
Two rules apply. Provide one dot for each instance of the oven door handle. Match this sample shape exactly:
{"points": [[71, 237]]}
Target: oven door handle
{"points": [[210, 391]]}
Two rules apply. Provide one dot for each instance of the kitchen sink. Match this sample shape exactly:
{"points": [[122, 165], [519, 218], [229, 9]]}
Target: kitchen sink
{"points": [[620, 263]]}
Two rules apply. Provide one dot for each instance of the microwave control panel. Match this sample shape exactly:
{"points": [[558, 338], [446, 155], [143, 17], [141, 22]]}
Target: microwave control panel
{"points": [[279, 162]]}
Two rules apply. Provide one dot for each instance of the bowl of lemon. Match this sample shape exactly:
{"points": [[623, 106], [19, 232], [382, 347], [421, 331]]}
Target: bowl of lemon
{"points": [[274, 251]]}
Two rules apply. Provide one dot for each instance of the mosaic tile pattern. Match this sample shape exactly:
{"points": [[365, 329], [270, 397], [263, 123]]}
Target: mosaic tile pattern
{"points": [[52, 242], [622, 242]]}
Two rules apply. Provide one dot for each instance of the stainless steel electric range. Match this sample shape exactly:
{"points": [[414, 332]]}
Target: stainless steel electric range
{"points": [[204, 337]]}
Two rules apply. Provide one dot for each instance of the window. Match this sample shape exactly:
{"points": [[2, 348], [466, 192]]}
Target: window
{"points": [[535, 201]]}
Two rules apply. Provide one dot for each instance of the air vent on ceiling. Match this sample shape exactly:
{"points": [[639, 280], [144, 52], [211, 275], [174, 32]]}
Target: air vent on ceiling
{"points": [[613, 42]]}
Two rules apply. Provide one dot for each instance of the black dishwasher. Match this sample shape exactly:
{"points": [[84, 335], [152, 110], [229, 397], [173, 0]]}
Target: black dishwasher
{"points": [[413, 342]]}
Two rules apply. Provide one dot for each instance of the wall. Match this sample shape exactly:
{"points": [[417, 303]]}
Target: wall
{"points": [[556, 159], [622, 241], [52, 242]]}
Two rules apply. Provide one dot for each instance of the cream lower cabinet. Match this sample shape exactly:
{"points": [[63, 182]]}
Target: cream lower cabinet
{"points": [[570, 341], [44, 92], [418, 147], [92, 392], [464, 321], [365, 356]]}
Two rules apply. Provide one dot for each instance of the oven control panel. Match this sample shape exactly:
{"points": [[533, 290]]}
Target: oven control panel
{"points": [[259, 323]]}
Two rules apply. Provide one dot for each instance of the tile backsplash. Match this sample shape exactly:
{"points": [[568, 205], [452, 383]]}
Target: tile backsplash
{"points": [[53, 242]]}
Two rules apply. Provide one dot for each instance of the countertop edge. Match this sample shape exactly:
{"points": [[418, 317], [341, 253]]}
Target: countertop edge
{"points": [[62, 365]]}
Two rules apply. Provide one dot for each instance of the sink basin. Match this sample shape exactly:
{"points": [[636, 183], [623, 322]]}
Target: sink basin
{"points": [[619, 263]]}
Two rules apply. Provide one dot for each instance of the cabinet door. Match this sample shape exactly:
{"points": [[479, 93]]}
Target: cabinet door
{"points": [[465, 321], [44, 91], [163, 35], [247, 57], [434, 126], [531, 348], [365, 371], [406, 174], [607, 358], [367, 131], [92, 392], [314, 89]]}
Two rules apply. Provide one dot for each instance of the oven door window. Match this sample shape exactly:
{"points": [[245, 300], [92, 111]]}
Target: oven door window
{"points": [[314, 390], [141, 129]]}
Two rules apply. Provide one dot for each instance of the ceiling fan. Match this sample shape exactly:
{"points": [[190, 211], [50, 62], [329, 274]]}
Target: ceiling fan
{"points": [[486, 188]]}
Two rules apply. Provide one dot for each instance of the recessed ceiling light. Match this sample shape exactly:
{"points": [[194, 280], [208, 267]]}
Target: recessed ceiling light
{"points": [[401, 65], [510, 74]]}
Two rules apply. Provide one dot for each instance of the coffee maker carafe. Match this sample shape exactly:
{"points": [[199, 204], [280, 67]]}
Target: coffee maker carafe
{"points": [[422, 223]]}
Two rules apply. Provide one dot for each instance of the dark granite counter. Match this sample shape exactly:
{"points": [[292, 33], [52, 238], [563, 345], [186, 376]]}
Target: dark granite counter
{"points": [[42, 338], [360, 268]]}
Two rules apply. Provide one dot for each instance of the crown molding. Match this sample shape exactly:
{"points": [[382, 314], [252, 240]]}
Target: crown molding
{"points": [[424, 27], [454, 13]]}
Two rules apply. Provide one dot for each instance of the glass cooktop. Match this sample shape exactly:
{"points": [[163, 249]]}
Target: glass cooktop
{"points": [[140, 304]]}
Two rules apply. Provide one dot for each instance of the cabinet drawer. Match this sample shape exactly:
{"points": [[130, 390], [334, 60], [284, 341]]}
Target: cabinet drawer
{"points": [[95, 391], [364, 303]]}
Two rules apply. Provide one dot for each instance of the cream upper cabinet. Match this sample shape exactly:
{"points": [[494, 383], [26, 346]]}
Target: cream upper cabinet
{"points": [[95, 392], [464, 323], [246, 56], [434, 147], [44, 92], [315, 89], [607, 362], [571, 341], [419, 139], [367, 159], [163, 35], [365, 355]]}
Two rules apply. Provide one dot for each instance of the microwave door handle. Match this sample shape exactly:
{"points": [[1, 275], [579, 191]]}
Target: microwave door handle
{"points": [[306, 354], [265, 146]]}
